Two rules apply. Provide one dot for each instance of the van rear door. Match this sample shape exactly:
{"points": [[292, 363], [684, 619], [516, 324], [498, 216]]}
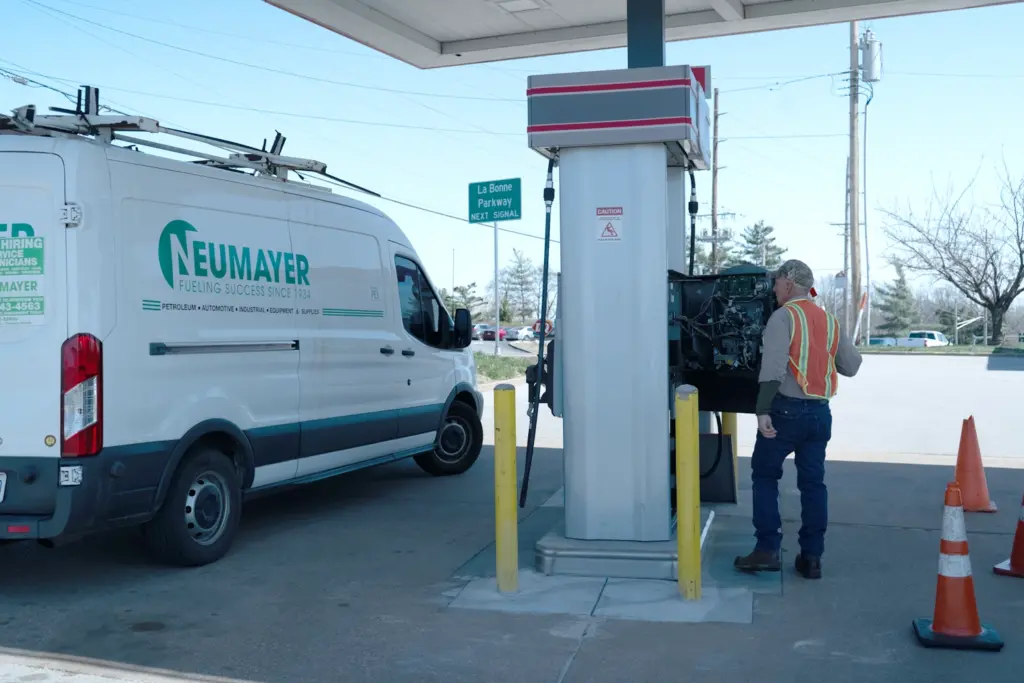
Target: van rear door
{"points": [[33, 325]]}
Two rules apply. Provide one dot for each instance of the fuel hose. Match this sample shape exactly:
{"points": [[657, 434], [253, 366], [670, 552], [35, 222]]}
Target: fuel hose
{"points": [[549, 199]]}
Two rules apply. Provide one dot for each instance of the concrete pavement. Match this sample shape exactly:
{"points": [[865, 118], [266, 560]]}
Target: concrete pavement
{"points": [[911, 407], [352, 579]]}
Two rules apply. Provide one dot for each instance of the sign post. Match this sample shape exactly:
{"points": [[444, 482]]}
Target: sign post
{"points": [[492, 201]]}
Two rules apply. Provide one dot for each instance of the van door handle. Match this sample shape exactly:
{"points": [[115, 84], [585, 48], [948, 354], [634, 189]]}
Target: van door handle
{"points": [[408, 353], [387, 350]]}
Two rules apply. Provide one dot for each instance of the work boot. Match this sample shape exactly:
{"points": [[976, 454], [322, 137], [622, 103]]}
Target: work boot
{"points": [[759, 561], [808, 566]]}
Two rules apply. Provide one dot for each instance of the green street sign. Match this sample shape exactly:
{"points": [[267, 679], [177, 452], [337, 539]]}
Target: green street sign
{"points": [[496, 200]]}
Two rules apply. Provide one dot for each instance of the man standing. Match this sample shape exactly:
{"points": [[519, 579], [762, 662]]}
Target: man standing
{"points": [[804, 352]]}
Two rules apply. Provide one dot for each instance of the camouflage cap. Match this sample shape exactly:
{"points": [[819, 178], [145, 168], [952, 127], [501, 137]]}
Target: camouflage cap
{"points": [[798, 272]]}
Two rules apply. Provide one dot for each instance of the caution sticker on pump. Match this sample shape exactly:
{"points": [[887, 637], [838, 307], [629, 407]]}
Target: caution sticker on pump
{"points": [[609, 223], [22, 295]]}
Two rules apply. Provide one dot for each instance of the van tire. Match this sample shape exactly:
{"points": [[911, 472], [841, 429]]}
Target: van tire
{"points": [[211, 480], [451, 456]]}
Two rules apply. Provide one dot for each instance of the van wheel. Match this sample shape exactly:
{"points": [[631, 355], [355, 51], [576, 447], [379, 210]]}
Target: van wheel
{"points": [[200, 516], [458, 445]]}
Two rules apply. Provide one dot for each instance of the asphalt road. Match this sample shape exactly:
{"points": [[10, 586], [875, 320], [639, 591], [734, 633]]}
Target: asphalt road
{"points": [[342, 580], [915, 405], [347, 579]]}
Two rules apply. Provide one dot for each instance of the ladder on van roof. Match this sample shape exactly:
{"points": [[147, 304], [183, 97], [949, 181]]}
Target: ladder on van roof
{"points": [[85, 120]]}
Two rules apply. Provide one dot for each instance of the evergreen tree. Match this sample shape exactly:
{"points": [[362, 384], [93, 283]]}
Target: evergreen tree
{"points": [[947, 322], [949, 317], [465, 296], [757, 246], [702, 262], [505, 310], [897, 305]]}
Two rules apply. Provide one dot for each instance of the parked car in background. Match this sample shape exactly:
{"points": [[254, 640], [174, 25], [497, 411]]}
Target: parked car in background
{"points": [[916, 338], [477, 330], [927, 338], [520, 333], [488, 334]]}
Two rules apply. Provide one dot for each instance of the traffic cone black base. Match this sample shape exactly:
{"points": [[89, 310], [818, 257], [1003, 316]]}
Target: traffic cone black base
{"points": [[1008, 569], [988, 641]]}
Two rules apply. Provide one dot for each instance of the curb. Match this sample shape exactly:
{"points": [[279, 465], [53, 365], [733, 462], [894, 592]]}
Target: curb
{"points": [[923, 354], [520, 348]]}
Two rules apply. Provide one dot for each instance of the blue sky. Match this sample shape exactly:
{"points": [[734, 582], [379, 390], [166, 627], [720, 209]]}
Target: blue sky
{"points": [[950, 101]]}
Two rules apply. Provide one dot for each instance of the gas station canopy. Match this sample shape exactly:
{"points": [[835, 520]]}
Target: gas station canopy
{"points": [[439, 33]]}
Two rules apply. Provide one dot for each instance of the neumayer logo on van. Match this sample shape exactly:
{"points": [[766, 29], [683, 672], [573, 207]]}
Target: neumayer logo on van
{"points": [[193, 265]]}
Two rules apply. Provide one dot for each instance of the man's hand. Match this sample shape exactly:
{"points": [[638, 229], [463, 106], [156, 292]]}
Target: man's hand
{"points": [[764, 425]]}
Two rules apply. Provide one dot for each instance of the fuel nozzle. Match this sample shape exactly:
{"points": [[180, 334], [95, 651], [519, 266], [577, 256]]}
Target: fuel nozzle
{"points": [[693, 205]]}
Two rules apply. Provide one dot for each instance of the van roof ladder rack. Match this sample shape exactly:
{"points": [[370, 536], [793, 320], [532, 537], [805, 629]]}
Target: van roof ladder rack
{"points": [[85, 120]]}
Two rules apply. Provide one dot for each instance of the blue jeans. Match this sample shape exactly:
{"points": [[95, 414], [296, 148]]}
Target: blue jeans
{"points": [[803, 427]]}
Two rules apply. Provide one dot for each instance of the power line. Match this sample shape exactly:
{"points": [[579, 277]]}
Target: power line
{"points": [[779, 84], [453, 217], [270, 69], [29, 82], [335, 119], [273, 112], [922, 74], [227, 34], [40, 8], [23, 80], [45, 9], [785, 137]]}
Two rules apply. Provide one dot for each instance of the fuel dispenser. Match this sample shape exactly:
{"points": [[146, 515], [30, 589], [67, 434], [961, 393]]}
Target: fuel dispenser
{"points": [[624, 142]]}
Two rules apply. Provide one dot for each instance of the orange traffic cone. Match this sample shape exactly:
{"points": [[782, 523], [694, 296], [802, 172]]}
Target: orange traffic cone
{"points": [[955, 624], [1015, 565], [970, 473]]}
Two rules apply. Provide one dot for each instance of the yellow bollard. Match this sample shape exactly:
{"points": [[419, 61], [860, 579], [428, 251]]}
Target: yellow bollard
{"points": [[506, 518], [688, 492], [730, 430]]}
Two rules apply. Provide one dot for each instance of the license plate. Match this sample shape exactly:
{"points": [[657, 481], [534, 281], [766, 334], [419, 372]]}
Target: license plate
{"points": [[3, 486]]}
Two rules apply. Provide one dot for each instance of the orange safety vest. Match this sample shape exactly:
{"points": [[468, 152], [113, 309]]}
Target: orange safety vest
{"points": [[813, 344]]}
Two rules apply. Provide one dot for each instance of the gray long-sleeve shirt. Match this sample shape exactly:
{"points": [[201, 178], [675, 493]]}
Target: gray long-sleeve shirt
{"points": [[775, 358]]}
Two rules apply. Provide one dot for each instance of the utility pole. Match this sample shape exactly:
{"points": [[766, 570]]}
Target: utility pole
{"points": [[854, 167], [714, 190], [846, 255], [871, 67]]}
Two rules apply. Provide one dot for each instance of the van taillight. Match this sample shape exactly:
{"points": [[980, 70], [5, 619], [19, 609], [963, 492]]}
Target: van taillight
{"points": [[81, 379]]}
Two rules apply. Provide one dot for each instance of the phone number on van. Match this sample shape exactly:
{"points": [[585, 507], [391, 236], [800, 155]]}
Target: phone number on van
{"points": [[25, 305]]}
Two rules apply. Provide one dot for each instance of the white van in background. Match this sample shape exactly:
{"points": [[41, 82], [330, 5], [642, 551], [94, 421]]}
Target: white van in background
{"points": [[178, 335]]}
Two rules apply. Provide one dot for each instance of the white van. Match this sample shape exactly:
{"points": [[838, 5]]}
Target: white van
{"points": [[178, 336]]}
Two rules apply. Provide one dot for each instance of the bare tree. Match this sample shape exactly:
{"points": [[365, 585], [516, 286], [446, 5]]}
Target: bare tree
{"points": [[979, 250], [519, 281]]}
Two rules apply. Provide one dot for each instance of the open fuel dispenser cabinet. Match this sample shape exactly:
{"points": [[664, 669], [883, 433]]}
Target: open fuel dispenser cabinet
{"points": [[715, 327]]}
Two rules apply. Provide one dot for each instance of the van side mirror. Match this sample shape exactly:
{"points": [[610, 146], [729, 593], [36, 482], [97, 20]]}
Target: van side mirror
{"points": [[463, 328]]}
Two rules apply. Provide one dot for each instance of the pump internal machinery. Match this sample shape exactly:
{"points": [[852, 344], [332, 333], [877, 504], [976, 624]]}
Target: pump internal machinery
{"points": [[716, 323]]}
